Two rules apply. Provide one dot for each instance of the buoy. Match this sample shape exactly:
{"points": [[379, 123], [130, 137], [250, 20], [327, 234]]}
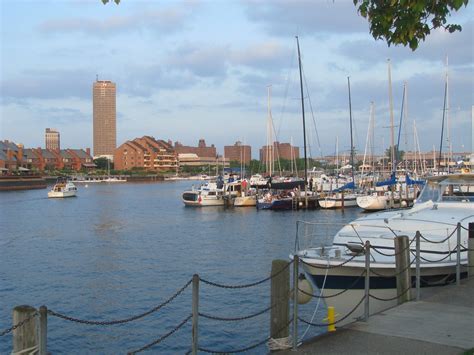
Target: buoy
{"points": [[305, 290], [404, 203]]}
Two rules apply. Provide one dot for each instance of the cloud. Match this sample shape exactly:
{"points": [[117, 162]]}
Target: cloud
{"points": [[165, 20], [305, 17], [47, 84]]}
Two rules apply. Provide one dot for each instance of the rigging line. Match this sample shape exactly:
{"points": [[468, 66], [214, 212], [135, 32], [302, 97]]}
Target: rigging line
{"points": [[312, 113]]}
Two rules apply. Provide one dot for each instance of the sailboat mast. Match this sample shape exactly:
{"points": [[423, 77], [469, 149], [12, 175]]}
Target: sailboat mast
{"points": [[442, 122], [302, 108], [392, 138], [350, 119]]}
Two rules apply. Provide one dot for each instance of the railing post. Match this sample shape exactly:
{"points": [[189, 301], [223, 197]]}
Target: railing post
{"points": [[418, 270], [26, 336], [43, 330], [280, 297], [367, 280], [195, 313], [458, 254], [402, 267], [296, 261], [470, 246]]}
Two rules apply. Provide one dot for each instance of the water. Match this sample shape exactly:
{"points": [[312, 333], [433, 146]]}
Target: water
{"points": [[119, 250]]}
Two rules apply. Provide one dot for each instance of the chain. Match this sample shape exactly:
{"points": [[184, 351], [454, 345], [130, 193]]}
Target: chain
{"points": [[435, 261], [441, 241], [396, 274], [336, 294], [215, 284], [157, 341], [120, 321], [390, 299], [237, 318], [244, 349], [334, 323], [18, 325], [329, 266]]}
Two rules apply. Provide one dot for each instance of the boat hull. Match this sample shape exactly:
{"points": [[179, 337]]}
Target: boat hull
{"points": [[245, 201], [194, 199], [61, 194], [330, 202]]}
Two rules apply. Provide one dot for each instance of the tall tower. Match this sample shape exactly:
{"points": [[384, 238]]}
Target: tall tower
{"points": [[51, 137], [105, 132]]}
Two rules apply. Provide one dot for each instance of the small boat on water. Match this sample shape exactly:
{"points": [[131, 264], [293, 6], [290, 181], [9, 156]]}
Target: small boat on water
{"points": [[62, 188], [337, 265], [338, 200], [208, 194]]}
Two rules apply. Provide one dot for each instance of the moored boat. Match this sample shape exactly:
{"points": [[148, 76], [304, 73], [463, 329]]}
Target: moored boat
{"points": [[338, 266], [62, 188]]}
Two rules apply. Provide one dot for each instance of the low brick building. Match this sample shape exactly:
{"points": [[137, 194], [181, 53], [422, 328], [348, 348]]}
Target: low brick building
{"points": [[146, 153], [238, 152], [281, 151]]}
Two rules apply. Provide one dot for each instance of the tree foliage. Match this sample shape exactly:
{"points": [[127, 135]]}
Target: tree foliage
{"points": [[399, 154], [408, 22]]}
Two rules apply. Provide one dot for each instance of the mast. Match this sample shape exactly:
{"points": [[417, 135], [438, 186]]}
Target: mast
{"points": [[402, 112], [350, 119], [442, 122], [302, 108], [392, 138], [269, 153]]}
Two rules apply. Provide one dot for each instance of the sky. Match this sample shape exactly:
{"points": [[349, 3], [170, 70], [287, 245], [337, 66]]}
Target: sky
{"points": [[195, 69]]}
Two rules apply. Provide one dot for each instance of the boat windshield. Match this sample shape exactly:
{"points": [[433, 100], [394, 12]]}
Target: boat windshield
{"points": [[455, 190]]}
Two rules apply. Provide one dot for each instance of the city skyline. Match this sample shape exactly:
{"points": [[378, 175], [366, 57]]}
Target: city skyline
{"points": [[191, 69]]}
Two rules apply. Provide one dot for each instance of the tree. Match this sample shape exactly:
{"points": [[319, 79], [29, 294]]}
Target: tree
{"points": [[399, 154], [408, 22]]}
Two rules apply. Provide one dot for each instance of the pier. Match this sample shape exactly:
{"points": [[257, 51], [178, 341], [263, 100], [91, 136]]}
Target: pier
{"points": [[442, 322]]}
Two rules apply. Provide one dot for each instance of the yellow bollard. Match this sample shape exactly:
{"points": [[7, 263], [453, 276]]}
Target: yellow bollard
{"points": [[331, 319]]}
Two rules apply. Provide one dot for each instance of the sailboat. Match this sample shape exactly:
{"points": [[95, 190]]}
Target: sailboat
{"points": [[338, 199]]}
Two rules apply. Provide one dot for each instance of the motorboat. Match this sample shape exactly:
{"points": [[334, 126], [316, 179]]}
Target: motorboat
{"points": [[337, 265], [62, 188], [258, 181], [377, 201], [208, 194]]}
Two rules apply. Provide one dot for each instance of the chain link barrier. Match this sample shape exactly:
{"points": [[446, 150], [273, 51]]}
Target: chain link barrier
{"points": [[251, 347], [441, 241], [19, 324], [396, 274], [230, 319], [451, 252], [120, 321], [336, 294], [376, 249], [392, 298], [215, 284], [329, 266], [159, 340], [336, 322]]}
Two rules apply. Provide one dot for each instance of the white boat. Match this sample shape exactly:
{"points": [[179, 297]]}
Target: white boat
{"points": [[245, 201], [62, 188], [444, 202], [336, 201], [379, 201], [209, 194]]}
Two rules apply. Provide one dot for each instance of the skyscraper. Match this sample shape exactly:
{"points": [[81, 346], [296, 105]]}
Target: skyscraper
{"points": [[105, 132], [51, 137]]}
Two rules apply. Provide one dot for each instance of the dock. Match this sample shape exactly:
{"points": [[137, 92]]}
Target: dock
{"points": [[442, 322]]}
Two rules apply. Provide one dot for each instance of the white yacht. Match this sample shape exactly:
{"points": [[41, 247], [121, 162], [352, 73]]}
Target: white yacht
{"points": [[62, 188], [336, 200], [444, 202], [208, 194]]}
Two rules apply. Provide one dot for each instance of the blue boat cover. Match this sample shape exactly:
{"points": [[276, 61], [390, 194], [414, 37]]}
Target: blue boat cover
{"points": [[414, 182], [349, 185], [391, 181]]}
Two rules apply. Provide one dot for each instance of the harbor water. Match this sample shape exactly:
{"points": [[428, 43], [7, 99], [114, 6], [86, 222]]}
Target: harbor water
{"points": [[118, 250]]}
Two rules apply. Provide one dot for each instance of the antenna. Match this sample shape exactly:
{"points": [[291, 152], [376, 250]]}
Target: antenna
{"points": [[97, 77]]}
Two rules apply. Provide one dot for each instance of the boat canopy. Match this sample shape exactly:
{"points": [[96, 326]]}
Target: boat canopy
{"points": [[391, 181], [349, 185], [413, 182]]}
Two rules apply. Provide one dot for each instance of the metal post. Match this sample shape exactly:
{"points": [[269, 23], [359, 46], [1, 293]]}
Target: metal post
{"points": [[418, 270], [458, 255], [43, 330], [470, 246], [195, 313], [367, 280], [296, 261]]}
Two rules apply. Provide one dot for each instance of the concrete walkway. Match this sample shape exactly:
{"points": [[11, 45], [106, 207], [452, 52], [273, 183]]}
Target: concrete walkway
{"points": [[441, 323]]}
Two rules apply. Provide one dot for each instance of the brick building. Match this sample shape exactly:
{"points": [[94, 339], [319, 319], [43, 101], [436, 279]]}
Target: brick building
{"points": [[202, 150], [146, 153], [281, 151], [238, 152]]}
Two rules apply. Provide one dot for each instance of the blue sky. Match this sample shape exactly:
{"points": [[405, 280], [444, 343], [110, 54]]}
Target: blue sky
{"points": [[195, 69]]}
